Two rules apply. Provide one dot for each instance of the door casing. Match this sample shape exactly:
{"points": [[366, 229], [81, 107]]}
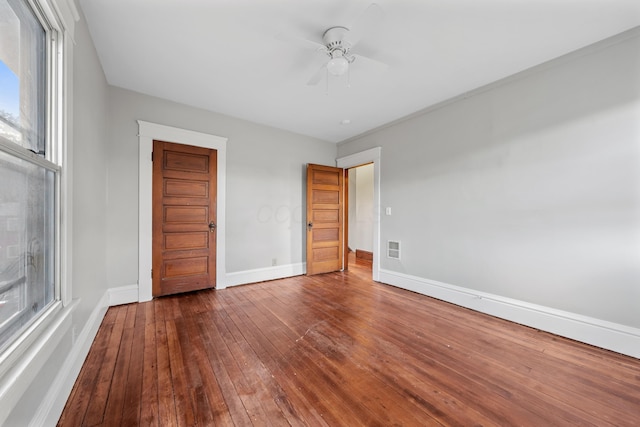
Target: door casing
{"points": [[147, 132]]}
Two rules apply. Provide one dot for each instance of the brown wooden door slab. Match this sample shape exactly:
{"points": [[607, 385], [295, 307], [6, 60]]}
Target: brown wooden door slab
{"points": [[184, 217], [325, 208]]}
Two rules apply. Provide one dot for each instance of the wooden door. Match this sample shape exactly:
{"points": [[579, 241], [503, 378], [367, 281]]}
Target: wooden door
{"points": [[325, 209], [184, 218]]}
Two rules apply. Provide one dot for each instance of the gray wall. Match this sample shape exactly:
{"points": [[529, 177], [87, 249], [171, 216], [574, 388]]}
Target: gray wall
{"points": [[265, 184], [90, 129], [527, 189]]}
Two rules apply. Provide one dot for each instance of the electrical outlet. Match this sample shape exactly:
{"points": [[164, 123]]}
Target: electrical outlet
{"points": [[274, 261]]}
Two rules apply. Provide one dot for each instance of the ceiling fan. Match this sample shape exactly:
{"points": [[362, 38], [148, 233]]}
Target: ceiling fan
{"points": [[337, 44]]}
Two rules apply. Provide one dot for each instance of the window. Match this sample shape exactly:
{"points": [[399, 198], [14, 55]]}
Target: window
{"points": [[29, 174]]}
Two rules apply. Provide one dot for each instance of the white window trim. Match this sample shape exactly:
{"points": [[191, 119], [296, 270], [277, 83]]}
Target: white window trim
{"points": [[147, 132], [25, 356]]}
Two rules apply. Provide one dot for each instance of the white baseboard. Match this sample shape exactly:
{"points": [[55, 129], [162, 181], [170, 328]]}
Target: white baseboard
{"points": [[122, 295], [268, 273], [52, 405], [611, 336]]}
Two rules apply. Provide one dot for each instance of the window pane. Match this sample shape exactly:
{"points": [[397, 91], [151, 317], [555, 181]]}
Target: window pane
{"points": [[22, 76], [26, 243]]}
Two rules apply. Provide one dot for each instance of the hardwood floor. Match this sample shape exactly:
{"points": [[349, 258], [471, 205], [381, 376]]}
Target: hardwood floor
{"points": [[340, 350]]}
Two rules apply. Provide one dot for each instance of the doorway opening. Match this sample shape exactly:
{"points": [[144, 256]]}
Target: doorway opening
{"points": [[360, 215], [327, 221], [371, 156]]}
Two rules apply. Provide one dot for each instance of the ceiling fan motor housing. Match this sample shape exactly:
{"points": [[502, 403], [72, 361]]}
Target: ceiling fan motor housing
{"points": [[334, 40]]}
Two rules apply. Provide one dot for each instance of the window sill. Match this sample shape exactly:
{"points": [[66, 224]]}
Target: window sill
{"points": [[22, 361]]}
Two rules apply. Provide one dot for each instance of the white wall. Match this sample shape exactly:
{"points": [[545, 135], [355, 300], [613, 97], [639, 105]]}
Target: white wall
{"points": [[361, 208], [265, 184], [528, 189]]}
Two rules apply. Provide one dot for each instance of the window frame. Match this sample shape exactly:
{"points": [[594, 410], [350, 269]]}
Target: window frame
{"points": [[58, 45]]}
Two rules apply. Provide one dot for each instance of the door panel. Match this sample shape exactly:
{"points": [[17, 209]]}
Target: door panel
{"points": [[184, 206], [177, 188], [185, 215], [324, 219], [177, 241]]}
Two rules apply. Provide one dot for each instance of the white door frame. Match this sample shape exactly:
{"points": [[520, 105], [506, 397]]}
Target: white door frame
{"points": [[358, 159], [147, 132]]}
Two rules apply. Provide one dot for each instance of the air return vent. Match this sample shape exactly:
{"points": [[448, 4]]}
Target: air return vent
{"points": [[393, 249]]}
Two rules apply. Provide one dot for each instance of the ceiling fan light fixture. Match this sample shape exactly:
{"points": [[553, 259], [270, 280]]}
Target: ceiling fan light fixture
{"points": [[338, 64]]}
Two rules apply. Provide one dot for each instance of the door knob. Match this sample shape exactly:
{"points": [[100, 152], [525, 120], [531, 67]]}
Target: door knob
{"points": [[212, 226]]}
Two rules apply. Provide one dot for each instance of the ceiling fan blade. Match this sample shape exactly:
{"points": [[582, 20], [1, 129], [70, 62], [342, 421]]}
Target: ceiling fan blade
{"points": [[369, 19], [317, 76], [371, 66], [300, 42], [368, 62]]}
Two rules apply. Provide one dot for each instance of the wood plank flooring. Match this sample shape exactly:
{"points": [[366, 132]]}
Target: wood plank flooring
{"points": [[340, 350]]}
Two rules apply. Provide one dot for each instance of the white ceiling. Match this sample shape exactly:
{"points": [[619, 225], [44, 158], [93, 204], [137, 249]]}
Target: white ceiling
{"points": [[227, 56]]}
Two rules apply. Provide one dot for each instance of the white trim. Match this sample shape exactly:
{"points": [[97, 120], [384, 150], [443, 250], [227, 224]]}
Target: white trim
{"points": [[66, 178], [122, 295], [372, 155], [15, 352], [67, 13], [147, 133], [20, 152], [24, 369], [612, 336], [54, 401], [267, 273]]}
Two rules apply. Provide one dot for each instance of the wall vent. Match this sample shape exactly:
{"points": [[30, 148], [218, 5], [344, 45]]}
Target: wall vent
{"points": [[393, 249]]}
